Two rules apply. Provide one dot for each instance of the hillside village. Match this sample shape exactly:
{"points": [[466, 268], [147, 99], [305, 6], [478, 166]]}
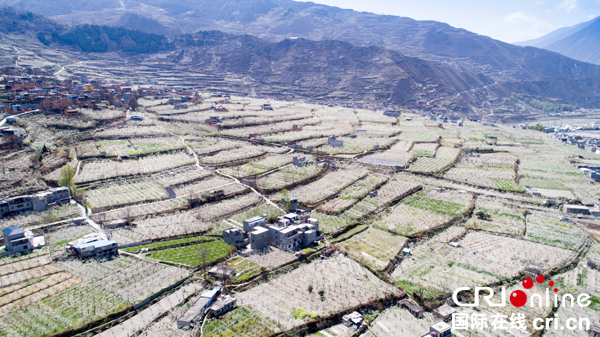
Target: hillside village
{"points": [[161, 210]]}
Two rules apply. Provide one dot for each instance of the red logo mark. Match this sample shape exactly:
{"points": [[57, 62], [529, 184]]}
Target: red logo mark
{"points": [[518, 298]]}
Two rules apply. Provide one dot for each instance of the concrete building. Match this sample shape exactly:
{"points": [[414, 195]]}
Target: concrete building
{"points": [[92, 237], [444, 312], [15, 240], [199, 308], [412, 307], [98, 249], [333, 142], [37, 202], [292, 237], [576, 209], [292, 232], [260, 238], [300, 161], [353, 319], [16, 205], [235, 237], [293, 203], [250, 223], [222, 305], [440, 329]]}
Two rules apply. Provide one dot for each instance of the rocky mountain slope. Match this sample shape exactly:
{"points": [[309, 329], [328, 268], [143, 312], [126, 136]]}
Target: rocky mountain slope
{"points": [[326, 70], [276, 20]]}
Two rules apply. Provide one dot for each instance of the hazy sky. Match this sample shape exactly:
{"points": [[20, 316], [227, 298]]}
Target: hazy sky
{"points": [[506, 20]]}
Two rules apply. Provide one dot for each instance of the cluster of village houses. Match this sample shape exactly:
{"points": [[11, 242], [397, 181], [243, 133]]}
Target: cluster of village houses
{"points": [[291, 232], [18, 240]]}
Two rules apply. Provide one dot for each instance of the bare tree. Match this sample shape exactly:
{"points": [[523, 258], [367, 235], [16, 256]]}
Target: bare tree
{"points": [[203, 255]]}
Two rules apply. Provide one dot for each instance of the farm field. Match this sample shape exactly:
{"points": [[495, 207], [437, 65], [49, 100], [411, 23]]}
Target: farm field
{"points": [[356, 145], [328, 185], [104, 169], [259, 166], [444, 158], [125, 194], [244, 268], [329, 223], [140, 210], [166, 243], [313, 130], [259, 210], [287, 176], [226, 158], [398, 155], [271, 257], [394, 190], [58, 237], [424, 211], [394, 321], [288, 293], [198, 220], [374, 246], [496, 215], [424, 149], [352, 194], [160, 318], [545, 228], [65, 310], [181, 176], [188, 255], [438, 267], [242, 321], [476, 205]]}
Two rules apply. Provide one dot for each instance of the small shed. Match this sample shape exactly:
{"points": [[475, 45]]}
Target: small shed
{"points": [[444, 312], [413, 307], [220, 272], [198, 308], [354, 318], [222, 305]]}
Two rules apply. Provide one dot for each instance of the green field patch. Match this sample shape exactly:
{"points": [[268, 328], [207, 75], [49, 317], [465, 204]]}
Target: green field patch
{"points": [[439, 206], [66, 310], [507, 185], [165, 243], [240, 322], [244, 268], [188, 255], [329, 223]]}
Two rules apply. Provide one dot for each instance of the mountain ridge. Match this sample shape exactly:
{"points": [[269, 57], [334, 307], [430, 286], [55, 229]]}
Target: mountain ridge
{"points": [[580, 42], [276, 20]]}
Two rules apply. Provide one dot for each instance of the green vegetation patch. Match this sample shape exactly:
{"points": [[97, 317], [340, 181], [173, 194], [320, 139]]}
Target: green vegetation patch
{"points": [[69, 309], [189, 255], [244, 268], [165, 243], [507, 185], [328, 223], [240, 322], [439, 206]]}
